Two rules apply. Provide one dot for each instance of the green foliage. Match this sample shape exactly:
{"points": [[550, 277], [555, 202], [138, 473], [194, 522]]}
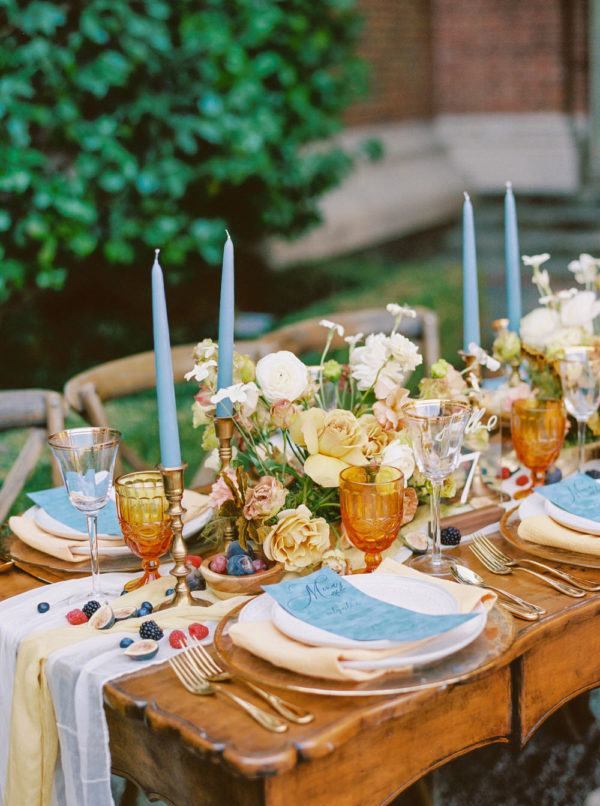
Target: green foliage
{"points": [[129, 124]]}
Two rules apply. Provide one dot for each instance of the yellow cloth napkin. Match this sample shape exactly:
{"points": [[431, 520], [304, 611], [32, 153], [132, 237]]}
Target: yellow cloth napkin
{"points": [[37, 538], [33, 733], [542, 530], [263, 639]]}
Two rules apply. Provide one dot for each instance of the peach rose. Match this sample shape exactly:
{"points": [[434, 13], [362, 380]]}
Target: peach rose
{"points": [[377, 438], [389, 411], [297, 539], [265, 499], [283, 412]]}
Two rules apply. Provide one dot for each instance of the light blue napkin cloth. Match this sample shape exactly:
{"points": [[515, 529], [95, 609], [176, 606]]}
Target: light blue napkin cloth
{"points": [[325, 600], [578, 494], [56, 503]]}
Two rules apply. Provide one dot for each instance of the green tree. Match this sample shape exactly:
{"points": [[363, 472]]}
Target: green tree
{"points": [[129, 124]]}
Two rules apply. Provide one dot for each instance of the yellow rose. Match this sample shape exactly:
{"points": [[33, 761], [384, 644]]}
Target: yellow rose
{"points": [[297, 539], [334, 441], [377, 438]]}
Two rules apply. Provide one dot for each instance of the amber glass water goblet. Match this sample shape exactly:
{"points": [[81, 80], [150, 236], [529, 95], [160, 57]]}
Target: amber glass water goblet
{"points": [[538, 432], [371, 503], [580, 378], [142, 509], [437, 429]]}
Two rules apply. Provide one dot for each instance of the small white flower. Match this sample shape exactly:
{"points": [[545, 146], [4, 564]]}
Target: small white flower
{"points": [[332, 326], [535, 260], [281, 376], [541, 279], [244, 395], [200, 372], [474, 383], [585, 269], [400, 310], [353, 340], [580, 311], [483, 358], [559, 297], [538, 327]]}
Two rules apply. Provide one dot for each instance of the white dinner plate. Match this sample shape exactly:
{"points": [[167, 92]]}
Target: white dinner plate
{"points": [[534, 504], [434, 649], [571, 521]]}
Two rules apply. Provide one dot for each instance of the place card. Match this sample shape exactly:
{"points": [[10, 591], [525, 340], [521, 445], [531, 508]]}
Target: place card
{"points": [[578, 495], [325, 600], [55, 502]]}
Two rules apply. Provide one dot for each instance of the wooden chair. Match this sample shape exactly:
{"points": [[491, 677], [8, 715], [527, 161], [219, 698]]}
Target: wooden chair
{"points": [[42, 412]]}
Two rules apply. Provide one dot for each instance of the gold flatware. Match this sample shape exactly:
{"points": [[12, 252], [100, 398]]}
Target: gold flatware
{"points": [[197, 684], [497, 567], [584, 584], [514, 604], [210, 669]]}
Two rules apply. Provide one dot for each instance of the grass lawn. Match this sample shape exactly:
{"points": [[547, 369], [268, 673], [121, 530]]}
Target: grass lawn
{"points": [[336, 285]]}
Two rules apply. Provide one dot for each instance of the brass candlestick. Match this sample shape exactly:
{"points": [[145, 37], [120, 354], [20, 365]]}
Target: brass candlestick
{"points": [[173, 484], [224, 427]]}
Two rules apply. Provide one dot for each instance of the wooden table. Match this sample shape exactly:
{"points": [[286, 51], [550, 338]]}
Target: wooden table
{"points": [[190, 750]]}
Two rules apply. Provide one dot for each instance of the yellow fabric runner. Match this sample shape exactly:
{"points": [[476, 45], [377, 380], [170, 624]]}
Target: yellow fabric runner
{"points": [[33, 733]]}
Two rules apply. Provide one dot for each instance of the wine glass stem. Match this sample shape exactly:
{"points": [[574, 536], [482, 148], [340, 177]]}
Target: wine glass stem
{"points": [[581, 426], [436, 548], [92, 523]]}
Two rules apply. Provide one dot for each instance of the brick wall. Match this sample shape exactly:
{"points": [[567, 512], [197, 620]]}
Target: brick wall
{"points": [[397, 45]]}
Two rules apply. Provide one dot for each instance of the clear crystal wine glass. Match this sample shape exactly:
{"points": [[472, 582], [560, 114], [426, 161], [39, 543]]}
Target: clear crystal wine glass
{"points": [[437, 429], [580, 377], [86, 457]]}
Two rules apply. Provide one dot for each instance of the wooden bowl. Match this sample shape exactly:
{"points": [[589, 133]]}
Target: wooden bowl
{"points": [[225, 585]]}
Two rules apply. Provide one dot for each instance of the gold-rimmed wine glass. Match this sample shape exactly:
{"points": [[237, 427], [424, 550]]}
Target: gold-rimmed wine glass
{"points": [[538, 432], [580, 379], [437, 429]]}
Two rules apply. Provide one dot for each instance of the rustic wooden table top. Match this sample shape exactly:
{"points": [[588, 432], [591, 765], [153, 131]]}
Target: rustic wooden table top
{"points": [[193, 750]]}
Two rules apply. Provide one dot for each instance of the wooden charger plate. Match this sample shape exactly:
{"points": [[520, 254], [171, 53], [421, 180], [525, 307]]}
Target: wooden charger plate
{"points": [[509, 525], [22, 553], [469, 662]]}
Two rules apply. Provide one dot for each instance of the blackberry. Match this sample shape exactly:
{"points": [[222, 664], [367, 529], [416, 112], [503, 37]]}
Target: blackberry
{"points": [[593, 473], [450, 536], [150, 629], [90, 608]]}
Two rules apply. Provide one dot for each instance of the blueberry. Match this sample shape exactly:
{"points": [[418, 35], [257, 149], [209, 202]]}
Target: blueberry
{"points": [[239, 565], [593, 473], [125, 642], [234, 549], [553, 475], [43, 607], [147, 606], [195, 582], [170, 592]]}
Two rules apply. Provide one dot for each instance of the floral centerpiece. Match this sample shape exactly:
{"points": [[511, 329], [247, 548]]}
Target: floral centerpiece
{"points": [[297, 428]]}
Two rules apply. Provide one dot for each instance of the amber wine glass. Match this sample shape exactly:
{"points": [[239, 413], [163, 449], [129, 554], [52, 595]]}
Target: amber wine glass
{"points": [[146, 526], [372, 503], [538, 432]]}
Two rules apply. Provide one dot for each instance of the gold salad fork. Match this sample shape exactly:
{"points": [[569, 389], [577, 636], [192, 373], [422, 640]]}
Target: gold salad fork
{"points": [[212, 672], [195, 683], [497, 567], [584, 584]]}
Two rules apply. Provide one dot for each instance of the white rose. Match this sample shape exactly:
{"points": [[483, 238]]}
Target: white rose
{"points": [[367, 361], [281, 376], [580, 311], [539, 327], [401, 457]]}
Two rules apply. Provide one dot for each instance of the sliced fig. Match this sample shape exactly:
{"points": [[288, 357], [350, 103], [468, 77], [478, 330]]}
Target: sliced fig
{"points": [[124, 613], [417, 542], [142, 650], [103, 618]]}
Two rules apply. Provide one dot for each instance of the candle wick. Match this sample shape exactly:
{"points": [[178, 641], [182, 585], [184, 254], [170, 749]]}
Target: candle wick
{"points": [[156, 251], [228, 235], [509, 185], [467, 196]]}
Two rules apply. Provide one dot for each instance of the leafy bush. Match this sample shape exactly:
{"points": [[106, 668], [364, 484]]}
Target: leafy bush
{"points": [[129, 124]]}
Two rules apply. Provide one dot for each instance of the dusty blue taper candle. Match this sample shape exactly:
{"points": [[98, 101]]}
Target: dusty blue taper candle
{"points": [[512, 260], [470, 288], [226, 322], [168, 432]]}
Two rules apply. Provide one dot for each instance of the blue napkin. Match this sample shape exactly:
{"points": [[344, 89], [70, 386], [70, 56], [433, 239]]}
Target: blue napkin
{"points": [[56, 503], [324, 599], [578, 494]]}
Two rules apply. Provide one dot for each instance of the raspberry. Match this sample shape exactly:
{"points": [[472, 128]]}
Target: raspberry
{"points": [[198, 631], [77, 616], [505, 473], [522, 480], [177, 639], [193, 559]]}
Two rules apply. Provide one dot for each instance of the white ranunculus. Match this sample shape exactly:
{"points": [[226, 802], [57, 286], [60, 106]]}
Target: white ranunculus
{"points": [[390, 378], [580, 311], [401, 457], [281, 376], [404, 352], [368, 360], [539, 327]]}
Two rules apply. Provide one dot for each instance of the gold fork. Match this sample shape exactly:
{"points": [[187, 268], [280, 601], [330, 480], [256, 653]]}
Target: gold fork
{"points": [[584, 584], [497, 567], [212, 672], [196, 684]]}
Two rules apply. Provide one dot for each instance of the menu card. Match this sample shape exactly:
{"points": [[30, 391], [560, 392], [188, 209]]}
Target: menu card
{"points": [[578, 494], [326, 600]]}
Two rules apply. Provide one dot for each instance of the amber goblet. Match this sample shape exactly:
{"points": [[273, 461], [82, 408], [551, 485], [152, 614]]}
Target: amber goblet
{"points": [[372, 503], [142, 509], [538, 432]]}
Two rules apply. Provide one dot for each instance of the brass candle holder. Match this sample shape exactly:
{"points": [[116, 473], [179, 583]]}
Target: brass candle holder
{"points": [[174, 485], [224, 427]]}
